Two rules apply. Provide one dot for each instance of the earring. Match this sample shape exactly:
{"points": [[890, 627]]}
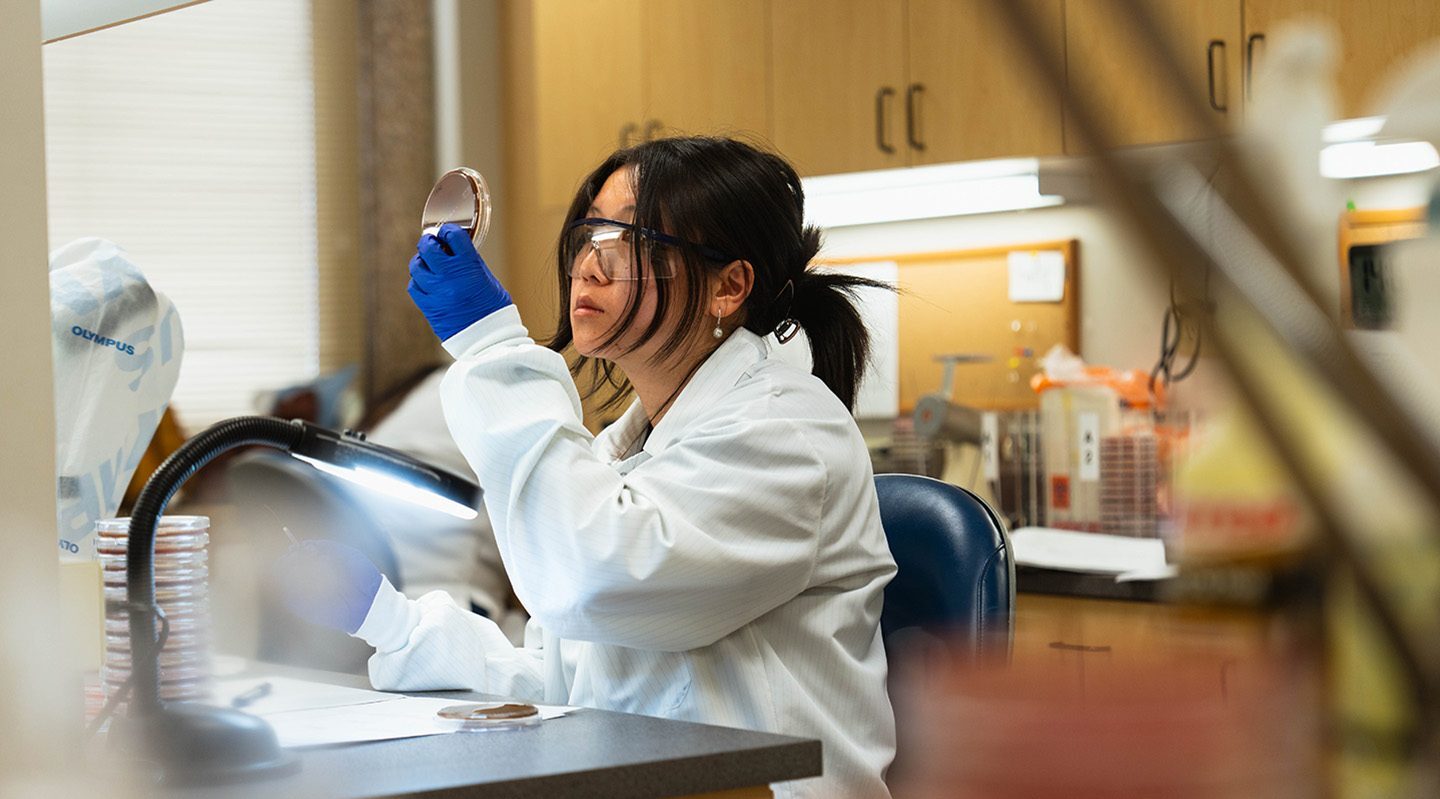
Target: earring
{"points": [[717, 332]]}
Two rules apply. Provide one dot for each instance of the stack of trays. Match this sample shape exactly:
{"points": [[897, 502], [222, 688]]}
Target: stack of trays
{"points": [[1129, 468], [182, 592]]}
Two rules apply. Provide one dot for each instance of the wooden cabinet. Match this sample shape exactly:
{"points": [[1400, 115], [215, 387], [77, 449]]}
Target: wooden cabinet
{"points": [[838, 82], [705, 67], [585, 87], [597, 75], [1091, 647], [850, 85], [970, 94], [1375, 37], [863, 85], [1109, 64]]}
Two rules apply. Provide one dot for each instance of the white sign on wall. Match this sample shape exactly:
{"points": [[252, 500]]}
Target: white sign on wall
{"points": [[1037, 276]]}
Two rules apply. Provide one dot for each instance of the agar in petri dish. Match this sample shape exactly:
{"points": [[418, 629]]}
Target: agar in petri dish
{"points": [[490, 715]]}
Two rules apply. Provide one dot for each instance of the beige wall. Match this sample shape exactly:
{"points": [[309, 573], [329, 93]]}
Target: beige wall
{"points": [[337, 182], [397, 162], [480, 114], [1122, 302], [37, 697]]}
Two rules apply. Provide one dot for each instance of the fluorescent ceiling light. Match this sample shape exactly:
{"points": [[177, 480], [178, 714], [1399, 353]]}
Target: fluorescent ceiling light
{"points": [[1352, 129], [924, 192], [1356, 148], [392, 486], [1363, 159]]}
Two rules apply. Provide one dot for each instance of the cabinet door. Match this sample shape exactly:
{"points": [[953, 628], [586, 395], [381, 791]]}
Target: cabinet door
{"points": [[1106, 63], [1095, 648], [705, 66], [971, 93], [1375, 37], [838, 83], [587, 88]]}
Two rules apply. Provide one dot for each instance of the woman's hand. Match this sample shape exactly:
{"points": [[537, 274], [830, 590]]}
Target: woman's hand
{"points": [[451, 284], [327, 583]]}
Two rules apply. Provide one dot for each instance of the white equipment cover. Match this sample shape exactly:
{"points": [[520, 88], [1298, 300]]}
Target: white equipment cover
{"points": [[117, 344]]}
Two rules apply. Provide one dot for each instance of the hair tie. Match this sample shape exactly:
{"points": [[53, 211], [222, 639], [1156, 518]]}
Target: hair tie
{"points": [[788, 327]]}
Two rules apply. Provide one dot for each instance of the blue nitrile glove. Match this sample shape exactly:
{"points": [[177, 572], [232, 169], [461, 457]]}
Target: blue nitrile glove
{"points": [[450, 283], [327, 583]]}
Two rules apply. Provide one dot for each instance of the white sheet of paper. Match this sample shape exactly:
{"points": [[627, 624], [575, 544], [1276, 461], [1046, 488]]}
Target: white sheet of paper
{"points": [[1143, 575], [990, 444], [286, 694], [397, 717], [307, 713], [1095, 553], [1087, 442], [1037, 275]]}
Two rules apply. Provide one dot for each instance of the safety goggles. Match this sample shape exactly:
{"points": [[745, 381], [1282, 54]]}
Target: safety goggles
{"points": [[616, 246]]}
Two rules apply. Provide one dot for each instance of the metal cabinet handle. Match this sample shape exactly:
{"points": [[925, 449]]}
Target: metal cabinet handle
{"points": [[912, 115], [652, 127], [1250, 42], [885, 91], [1078, 647], [1210, 72], [626, 131]]}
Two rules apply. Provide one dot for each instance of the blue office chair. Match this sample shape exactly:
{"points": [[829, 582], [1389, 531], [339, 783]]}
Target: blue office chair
{"points": [[955, 570]]}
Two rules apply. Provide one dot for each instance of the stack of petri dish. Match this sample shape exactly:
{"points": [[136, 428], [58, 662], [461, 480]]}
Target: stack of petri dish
{"points": [[1129, 474], [181, 591]]}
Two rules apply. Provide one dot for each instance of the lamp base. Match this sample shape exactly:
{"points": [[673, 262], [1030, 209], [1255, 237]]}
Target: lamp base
{"points": [[195, 744]]}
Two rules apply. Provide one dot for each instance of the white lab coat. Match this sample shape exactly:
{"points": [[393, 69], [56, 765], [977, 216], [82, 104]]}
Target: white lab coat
{"points": [[731, 572], [436, 551]]}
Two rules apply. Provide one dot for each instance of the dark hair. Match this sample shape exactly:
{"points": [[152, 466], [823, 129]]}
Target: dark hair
{"points": [[728, 197]]}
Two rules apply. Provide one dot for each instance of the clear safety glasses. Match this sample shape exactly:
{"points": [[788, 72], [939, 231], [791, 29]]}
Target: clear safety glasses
{"points": [[617, 245]]}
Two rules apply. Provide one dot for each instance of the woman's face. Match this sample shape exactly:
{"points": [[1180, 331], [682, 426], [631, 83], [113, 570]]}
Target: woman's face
{"points": [[597, 304]]}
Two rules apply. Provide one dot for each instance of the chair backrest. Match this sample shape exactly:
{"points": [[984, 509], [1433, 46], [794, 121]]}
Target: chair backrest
{"points": [[955, 571]]}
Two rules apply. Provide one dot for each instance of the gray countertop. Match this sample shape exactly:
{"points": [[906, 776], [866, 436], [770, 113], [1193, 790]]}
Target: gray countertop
{"points": [[586, 753], [1035, 580]]}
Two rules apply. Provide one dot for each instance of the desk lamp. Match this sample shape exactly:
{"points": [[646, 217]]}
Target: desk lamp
{"points": [[194, 743]]}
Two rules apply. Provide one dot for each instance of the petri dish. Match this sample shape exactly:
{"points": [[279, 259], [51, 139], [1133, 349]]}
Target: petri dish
{"points": [[191, 618], [109, 547], [179, 676], [178, 689], [119, 643], [168, 558], [165, 592], [167, 571], [489, 715], [169, 525], [172, 534], [460, 197], [173, 665]]}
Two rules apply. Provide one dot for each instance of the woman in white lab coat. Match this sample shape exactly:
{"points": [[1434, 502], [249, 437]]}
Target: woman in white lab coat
{"points": [[715, 555]]}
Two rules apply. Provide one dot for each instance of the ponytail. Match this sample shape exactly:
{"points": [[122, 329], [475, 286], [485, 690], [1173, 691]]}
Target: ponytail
{"points": [[824, 305]]}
